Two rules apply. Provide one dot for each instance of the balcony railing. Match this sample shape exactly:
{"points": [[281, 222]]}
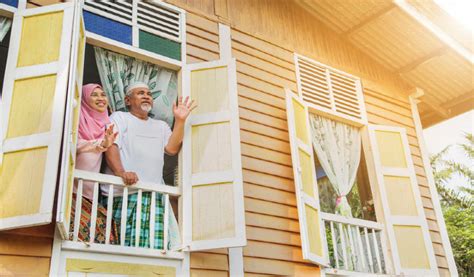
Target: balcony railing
{"points": [[354, 245], [115, 187]]}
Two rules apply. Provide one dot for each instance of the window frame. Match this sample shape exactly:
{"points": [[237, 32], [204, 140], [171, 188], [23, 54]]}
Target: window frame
{"points": [[160, 60]]}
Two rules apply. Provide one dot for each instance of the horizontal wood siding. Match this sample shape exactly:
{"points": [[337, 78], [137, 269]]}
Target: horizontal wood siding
{"points": [[387, 111], [263, 71], [26, 251], [274, 244]]}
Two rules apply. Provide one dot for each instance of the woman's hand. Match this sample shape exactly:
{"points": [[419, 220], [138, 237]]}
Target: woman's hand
{"points": [[182, 110], [109, 137]]}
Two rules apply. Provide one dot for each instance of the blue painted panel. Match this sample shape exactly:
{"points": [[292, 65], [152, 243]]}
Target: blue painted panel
{"points": [[108, 27], [13, 3]]}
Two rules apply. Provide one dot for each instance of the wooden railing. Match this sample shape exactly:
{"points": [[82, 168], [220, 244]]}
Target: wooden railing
{"points": [[354, 245], [115, 187]]}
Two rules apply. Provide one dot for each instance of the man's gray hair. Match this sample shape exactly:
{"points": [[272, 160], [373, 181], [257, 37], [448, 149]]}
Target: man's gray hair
{"points": [[134, 85]]}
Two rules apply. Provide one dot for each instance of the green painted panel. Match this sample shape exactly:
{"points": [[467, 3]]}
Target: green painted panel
{"points": [[159, 45]]}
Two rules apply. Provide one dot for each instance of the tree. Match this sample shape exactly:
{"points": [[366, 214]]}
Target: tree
{"points": [[457, 203], [444, 170]]}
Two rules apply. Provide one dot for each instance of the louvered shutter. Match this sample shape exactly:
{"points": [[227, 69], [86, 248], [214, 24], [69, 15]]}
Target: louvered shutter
{"points": [[329, 91]]}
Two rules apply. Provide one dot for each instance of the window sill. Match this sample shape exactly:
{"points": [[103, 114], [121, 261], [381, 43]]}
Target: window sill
{"points": [[122, 250]]}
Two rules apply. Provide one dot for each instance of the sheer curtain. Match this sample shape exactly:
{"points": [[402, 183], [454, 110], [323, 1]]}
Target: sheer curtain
{"points": [[117, 71], [338, 148], [5, 24]]}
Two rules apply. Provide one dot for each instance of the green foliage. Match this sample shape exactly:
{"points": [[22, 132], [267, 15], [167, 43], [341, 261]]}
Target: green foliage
{"points": [[444, 170], [460, 225], [457, 203]]}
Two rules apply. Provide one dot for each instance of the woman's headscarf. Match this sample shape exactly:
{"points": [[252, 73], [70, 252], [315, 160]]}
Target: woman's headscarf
{"points": [[91, 122]]}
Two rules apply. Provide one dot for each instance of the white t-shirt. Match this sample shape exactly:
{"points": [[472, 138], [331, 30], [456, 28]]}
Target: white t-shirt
{"points": [[141, 145]]}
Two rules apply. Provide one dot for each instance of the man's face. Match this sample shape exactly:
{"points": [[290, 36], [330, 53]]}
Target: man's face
{"points": [[139, 99]]}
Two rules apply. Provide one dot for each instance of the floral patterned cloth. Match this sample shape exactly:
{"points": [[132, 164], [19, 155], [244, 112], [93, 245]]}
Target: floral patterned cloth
{"points": [[118, 71]]}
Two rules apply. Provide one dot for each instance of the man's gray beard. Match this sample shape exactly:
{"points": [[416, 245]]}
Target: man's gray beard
{"points": [[145, 107]]}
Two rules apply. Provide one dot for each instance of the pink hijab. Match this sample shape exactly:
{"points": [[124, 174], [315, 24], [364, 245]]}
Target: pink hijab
{"points": [[91, 122]]}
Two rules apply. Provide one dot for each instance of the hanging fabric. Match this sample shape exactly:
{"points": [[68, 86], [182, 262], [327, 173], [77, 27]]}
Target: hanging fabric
{"points": [[337, 147], [117, 71], [5, 24]]}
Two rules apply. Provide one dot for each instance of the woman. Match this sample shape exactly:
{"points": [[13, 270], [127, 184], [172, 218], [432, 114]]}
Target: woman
{"points": [[94, 138]]}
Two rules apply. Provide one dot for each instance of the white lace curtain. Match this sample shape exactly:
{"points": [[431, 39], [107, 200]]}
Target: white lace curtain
{"points": [[5, 24], [337, 147], [118, 71]]}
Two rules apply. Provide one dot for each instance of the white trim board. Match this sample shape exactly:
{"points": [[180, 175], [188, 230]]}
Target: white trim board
{"points": [[434, 193]]}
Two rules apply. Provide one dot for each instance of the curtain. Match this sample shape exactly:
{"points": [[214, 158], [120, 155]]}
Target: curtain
{"points": [[337, 147], [5, 24], [118, 71]]}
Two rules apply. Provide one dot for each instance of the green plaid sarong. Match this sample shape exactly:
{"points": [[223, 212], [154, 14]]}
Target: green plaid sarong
{"points": [[130, 230]]}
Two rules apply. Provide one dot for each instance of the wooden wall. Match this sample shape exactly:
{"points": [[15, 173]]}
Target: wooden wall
{"points": [[265, 34], [387, 111], [26, 251]]}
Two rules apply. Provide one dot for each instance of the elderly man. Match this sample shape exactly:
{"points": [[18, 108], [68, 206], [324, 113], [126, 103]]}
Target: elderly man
{"points": [[138, 154]]}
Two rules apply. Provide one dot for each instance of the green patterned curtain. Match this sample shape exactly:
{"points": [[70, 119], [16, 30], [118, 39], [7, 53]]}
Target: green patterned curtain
{"points": [[5, 24], [117, 71]]}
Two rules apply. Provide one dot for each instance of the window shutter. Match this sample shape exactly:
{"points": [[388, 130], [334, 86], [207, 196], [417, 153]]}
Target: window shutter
{"points": [[330, 91], [304, 173], [71, 124], [212, 170], [35, 93], [406, 224]]}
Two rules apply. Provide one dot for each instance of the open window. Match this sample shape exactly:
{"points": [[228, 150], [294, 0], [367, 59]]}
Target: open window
{"points": [[191, 177], [348, 152], [331, 102]]}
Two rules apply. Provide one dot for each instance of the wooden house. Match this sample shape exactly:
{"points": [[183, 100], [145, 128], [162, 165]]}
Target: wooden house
{"points": [[248, 188]]}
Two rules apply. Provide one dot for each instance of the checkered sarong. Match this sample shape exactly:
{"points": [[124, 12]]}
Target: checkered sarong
{"points": [[130, 233]]}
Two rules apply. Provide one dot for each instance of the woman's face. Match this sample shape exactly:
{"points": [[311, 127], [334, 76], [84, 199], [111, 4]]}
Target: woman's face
{"points": [[98, 100]]}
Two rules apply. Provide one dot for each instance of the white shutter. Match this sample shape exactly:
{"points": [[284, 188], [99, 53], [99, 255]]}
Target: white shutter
{"points": [[71, 124], [405, 220], [35, 93], [329, 91], [212, 170], [304, 172]]}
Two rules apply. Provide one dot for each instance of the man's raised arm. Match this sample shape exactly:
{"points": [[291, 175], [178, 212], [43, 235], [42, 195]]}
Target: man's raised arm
{"points": [[181, 111]]}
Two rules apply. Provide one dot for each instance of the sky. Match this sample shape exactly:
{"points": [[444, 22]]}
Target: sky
{"points": [[451, 132]]}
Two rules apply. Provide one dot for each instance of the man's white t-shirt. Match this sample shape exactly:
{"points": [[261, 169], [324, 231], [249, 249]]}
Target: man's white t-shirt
{"points": [[141, 145]]}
